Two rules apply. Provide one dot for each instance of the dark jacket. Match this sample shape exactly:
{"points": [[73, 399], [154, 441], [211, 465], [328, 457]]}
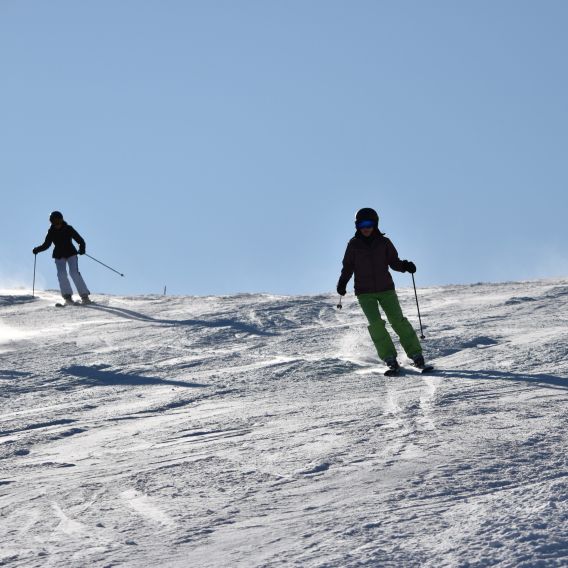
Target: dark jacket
{"points": [[369, 258], [63, 240]]}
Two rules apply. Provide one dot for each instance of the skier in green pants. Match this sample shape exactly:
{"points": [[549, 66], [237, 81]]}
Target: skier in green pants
{"points": [[368, 256]]}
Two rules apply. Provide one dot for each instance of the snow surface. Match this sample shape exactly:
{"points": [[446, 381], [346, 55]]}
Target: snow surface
{"points": [[258, 430]]}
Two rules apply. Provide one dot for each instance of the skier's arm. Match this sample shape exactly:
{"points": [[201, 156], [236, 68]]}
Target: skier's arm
{"points": [[346, 271], [395, 263], [46, 244], [79, 239]]}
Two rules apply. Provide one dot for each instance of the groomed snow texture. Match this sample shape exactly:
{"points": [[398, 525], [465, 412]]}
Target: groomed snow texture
{"points": [[259, 431]]}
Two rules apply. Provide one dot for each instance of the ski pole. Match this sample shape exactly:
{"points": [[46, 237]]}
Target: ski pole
{"points": [[340, 305], [33, 286], [418, 308], [105, 265]]}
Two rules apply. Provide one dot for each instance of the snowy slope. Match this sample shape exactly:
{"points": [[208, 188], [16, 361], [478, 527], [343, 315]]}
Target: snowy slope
{"points": [[258, 431]]}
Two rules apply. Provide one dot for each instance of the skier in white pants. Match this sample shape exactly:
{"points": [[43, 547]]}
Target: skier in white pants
{"points": [[65, 254]]}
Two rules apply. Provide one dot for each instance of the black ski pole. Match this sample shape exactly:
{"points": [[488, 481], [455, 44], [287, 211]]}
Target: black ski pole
{"points": [[340, 305], [418, 308], [33, 286], [105, 265]]}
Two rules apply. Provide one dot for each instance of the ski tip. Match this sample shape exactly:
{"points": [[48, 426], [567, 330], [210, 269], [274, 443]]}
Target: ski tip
{"points": [[392, 373], [427, 369]]}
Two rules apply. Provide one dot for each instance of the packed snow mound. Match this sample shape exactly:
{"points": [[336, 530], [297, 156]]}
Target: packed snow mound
{"points": [[258, 430]]}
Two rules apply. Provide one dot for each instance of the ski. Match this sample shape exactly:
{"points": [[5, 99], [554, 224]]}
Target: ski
{"points": [[424, 369], [393, 372], [60, 305], [400, 370]]}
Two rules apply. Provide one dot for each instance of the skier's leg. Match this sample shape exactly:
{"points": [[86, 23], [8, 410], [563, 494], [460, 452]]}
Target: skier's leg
{"points": [[77, 278], [377, 328], [403, 328], [64, 284]]}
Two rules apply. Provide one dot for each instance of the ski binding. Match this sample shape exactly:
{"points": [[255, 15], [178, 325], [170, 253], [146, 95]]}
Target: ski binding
{"points": [[400, 370]]}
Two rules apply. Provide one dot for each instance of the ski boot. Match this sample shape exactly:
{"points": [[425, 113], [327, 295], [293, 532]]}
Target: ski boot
{"points": [[85, 300], [68, 300], [419, 363], [393, 367]]}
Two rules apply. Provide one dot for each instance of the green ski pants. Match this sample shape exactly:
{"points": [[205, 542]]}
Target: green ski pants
{"points": [[388, 301]]}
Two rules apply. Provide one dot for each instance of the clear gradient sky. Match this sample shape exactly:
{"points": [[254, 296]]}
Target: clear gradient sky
{"points": [[222, 146]]}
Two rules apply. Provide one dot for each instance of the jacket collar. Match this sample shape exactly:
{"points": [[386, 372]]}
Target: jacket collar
{"points": [[63, 226], [371, 240]]}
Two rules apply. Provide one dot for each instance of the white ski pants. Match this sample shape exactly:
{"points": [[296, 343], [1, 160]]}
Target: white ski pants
{"points": [[64, 283]]}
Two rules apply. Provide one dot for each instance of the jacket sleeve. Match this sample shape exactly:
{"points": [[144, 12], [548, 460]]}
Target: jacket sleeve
{"points": [[348, 266], [46, 244], [392, 256], [79, 239]]}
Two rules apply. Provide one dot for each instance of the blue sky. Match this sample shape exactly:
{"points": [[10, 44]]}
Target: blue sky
{"points": [[224, 146]]}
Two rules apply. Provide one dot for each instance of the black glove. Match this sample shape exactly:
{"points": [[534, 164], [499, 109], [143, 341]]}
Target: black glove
{"points": [[341, 289], [36, 250], [409, 266], [81, 251]]}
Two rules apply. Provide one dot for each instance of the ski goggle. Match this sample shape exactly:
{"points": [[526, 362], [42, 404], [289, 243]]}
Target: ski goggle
{"points": [[366, 224]]}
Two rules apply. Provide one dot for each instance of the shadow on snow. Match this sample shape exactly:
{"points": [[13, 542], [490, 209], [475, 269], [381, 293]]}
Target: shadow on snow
{"points": [[97, 376], [12, 300], [237, 326], [550, 381], [9, 374]]}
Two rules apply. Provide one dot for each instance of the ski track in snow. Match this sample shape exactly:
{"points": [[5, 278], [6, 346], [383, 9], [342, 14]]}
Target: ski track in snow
{"points": [[258, 430]]}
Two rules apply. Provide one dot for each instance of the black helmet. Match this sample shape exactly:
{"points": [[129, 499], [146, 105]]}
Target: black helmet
{"points": [[367, 214], [56, 216]]}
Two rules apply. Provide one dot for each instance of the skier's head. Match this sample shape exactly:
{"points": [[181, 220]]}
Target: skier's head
{"points": [[367, 221], [56, 218]]}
